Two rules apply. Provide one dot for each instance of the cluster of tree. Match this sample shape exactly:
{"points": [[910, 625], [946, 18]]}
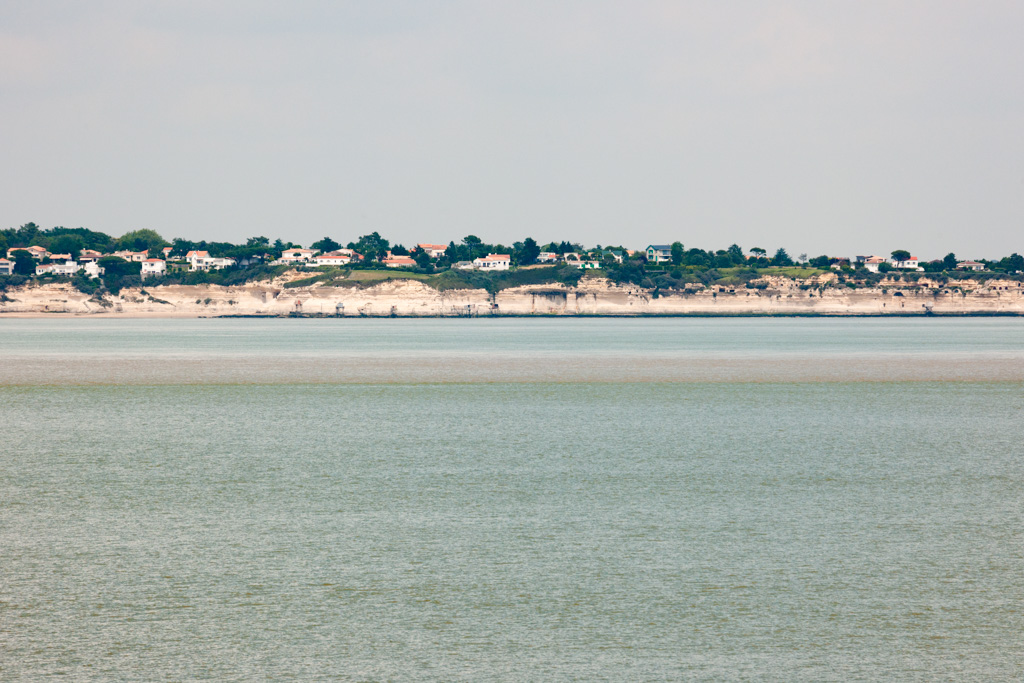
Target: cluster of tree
{"points": [[725, 258], [58, 240], [373, 247], [686, 265], [254, 248], [1013, 263], [73, 241], [562, 248]]}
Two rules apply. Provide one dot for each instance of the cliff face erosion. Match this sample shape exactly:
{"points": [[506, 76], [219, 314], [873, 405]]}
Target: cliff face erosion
{"points": [[593, 296]]}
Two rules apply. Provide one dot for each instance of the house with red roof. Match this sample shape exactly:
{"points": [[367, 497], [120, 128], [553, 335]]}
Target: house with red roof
{"points": [[399, 261], [35, 251], [134, 256], [493, 262], [332, 258], [906, 264], [433, 250], [154, 266]]}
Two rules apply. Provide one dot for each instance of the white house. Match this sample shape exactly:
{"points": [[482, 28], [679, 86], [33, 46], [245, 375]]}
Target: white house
{"points": [[659, 253], [36, 252], [873, 263], [297, 257], [66, 268], [614, 253], [201, 260], [493, 262], [399, 261], [970, 265], [92, 269], [134, 256], [434, 250], [89, 255], [218, 263], [193, 257], [547, 257], [907, 264], [6, 267], [154, 266], [333, 258], [298, 254]]}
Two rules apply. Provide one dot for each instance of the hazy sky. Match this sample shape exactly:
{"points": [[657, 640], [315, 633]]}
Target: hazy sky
{"points": [[824, 127]]}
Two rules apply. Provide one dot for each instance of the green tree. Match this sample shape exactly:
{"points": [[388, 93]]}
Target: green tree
{"points": [[422, 258], [529, 252], [630, 270], [372, 246], [697, 257], [115, 266], [474, 247], [949, 261], [26, 235], [141, 240], [325, 245], [67, 244], [900, 255], [758, 252], [91, 239], [820, 261], [781, 258], [455, 252], [677, 253], [181, 246], [24, 264], [736, 253]]}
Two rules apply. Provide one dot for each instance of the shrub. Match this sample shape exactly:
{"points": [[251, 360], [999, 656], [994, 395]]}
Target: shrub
{"points": [[12, 281], [85, 284]]}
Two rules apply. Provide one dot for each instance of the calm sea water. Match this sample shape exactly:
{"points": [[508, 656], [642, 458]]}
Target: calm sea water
{"points": [[512, 499]]}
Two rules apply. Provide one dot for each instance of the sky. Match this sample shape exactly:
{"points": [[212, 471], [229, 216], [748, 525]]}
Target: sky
{"points": [[828, 126]]}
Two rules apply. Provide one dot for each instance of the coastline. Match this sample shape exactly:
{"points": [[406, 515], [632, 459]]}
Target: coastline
{"points": [[593, 297]]}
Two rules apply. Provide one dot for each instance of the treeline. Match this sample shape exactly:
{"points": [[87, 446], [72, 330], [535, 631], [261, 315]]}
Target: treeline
{"points": [[686, 265], [61, 240]]}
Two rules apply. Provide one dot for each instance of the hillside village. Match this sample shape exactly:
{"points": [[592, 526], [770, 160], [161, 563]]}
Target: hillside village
{"points": [[62, 252], [99, 266]]}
